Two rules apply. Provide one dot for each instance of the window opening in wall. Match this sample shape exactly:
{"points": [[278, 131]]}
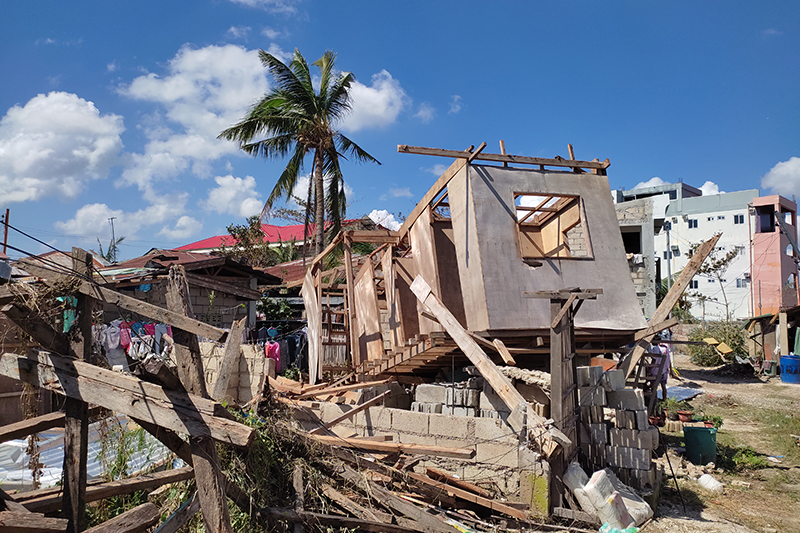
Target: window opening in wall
{"points": [[742, 283], [551, 225], [632, 240], [721, 217], [693, 284], [738, 219], [765, 219], [692, 223]]}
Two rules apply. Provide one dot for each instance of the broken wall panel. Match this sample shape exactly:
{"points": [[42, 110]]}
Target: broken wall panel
{"points": [[447, 266], [423, 248], [392, 305], [408, 324], [369, 315], [490, 261]]}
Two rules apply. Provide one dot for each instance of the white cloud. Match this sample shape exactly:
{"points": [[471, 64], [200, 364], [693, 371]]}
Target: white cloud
{"points": [[437, 169], [784, 178], [455, 104], [652, 182], [184, 228], [271, 33], [54, 145], [401, 192], [274, 6], [301, 190], [204, 91], [91, 220], [234, 196], [385, 219], [375, 106], [426, 113], [280, 53], [112, 67], [771, 32], [709, 188], [238, 32]]}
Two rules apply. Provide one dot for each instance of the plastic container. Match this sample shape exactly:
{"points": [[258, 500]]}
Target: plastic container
{"points": [[701, 444], [707, 481], [790, 369]]}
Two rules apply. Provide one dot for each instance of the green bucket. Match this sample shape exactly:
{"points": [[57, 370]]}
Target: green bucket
{"points": [[701, 444]]}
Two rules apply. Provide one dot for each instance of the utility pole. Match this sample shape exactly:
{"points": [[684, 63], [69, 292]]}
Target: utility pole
{"points": [[5, 232], [113, 245]]}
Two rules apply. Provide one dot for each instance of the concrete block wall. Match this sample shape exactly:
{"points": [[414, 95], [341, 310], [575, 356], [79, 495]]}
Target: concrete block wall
{"points": [[243, 384], [497, 456], [624, 439]]}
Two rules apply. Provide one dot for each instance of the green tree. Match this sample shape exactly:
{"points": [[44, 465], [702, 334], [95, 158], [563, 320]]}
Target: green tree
{"points": [[111, 252], [251, 247], [297, 120]]}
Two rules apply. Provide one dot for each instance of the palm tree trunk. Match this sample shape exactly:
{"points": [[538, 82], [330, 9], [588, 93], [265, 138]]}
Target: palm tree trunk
{"points": [[319, 201]]}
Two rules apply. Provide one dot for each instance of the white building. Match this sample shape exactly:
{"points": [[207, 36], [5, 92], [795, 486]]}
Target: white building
{"points": [[682, 216]]}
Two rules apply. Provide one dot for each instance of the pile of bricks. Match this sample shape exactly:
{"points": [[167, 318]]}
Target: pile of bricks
{"points": [[458, 399], [626, 443]]}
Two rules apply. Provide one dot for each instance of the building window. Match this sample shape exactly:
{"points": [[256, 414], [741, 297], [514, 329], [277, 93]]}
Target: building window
{"points": [[721, 217], [551, 226], [738, 219], [742, 283], [666, 254], [693, 284], [692, 223]]}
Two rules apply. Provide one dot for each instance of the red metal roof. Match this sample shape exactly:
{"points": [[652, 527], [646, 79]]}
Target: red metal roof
{"points": [[272, 234]]}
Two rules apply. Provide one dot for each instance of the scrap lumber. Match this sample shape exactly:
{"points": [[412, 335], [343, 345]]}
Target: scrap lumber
{"points": [[501, 385], [656, 328], [210, 486], [299, 492], [128, 395], [12, 522], [230, 360], [49, 500], [136, 520], [318, 519], [76, 422], [112, 297], [390, 447], [23, 428], [227, 288], [181, 517], [487, 503], [351, 413], [281, 386], [504, 353], [343, 388], [11, 504], [349, 505], [669, 301], [441, 475], [434, 191]]}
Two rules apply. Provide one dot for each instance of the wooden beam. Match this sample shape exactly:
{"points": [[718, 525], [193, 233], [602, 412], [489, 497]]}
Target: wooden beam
{"points": [[656, 328], [500, 158], [349, 505], [351, 413], [433, 192], [503, 351], [476, 153], [390, 447], [30, 426], [76, 422], [128, 395], [11, 522], [566, 306], [328, 249], [487, 503], [11, 504], [208, 282], [43, 333], [441, 475], [343, 388], [136, 520], [230, 361], [49, 500], [112, 297], [373, 236], [210, 487], [628, 364]]}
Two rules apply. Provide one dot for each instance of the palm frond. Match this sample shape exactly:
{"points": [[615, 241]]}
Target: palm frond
{"points": [[346, 146], [288, 178], [325, 64], [339, 103]]}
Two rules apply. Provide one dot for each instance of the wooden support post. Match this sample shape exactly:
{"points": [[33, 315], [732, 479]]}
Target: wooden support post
{"points": [[76, 424], [783, 332], [299, 493], [355, 356], [190, 371]]}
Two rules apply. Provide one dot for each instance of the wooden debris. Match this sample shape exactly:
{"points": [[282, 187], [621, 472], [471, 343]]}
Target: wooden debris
{"points": [[12, 522], [441, 475], [351, 413], [138, 519], [390, 447], [342, 388], [181, 517], [230, 361]]}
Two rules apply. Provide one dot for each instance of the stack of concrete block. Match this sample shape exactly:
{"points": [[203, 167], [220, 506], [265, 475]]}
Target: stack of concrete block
{"points": [[592, 399], [492, 406], [459, 399], [632, 441]]}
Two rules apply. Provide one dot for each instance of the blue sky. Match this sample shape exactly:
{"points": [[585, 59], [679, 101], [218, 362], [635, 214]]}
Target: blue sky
{"points": [[111, 109]]}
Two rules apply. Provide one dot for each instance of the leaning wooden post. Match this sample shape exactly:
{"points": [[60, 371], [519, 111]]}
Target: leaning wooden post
{"points": [[210, 487], [351, 304], [76, 424]]}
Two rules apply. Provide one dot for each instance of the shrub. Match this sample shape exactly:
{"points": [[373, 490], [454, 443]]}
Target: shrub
{"points": [[728, 332]]}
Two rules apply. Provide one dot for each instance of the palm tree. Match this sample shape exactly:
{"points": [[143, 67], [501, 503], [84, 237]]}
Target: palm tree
{"points": [[297, 120]]}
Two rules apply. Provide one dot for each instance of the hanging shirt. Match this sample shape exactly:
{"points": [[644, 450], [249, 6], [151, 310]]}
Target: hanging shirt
{"points": [[273, 351]]}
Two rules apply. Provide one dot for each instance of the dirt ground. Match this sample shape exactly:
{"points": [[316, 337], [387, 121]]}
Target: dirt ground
{"points": [[759, 464]]}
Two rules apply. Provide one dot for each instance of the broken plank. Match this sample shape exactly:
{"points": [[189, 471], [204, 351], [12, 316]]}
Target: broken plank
{"points": [[470, 497], [441, 475], [504, 353], [318, 519], [351, 413], [343, 388], [389, 447], [656, 328], [126, 394], [112, 297], [49, 500], [11, 522], [230, 360], [138, 519], [30, 426], [349, 505], [220, 286]]}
